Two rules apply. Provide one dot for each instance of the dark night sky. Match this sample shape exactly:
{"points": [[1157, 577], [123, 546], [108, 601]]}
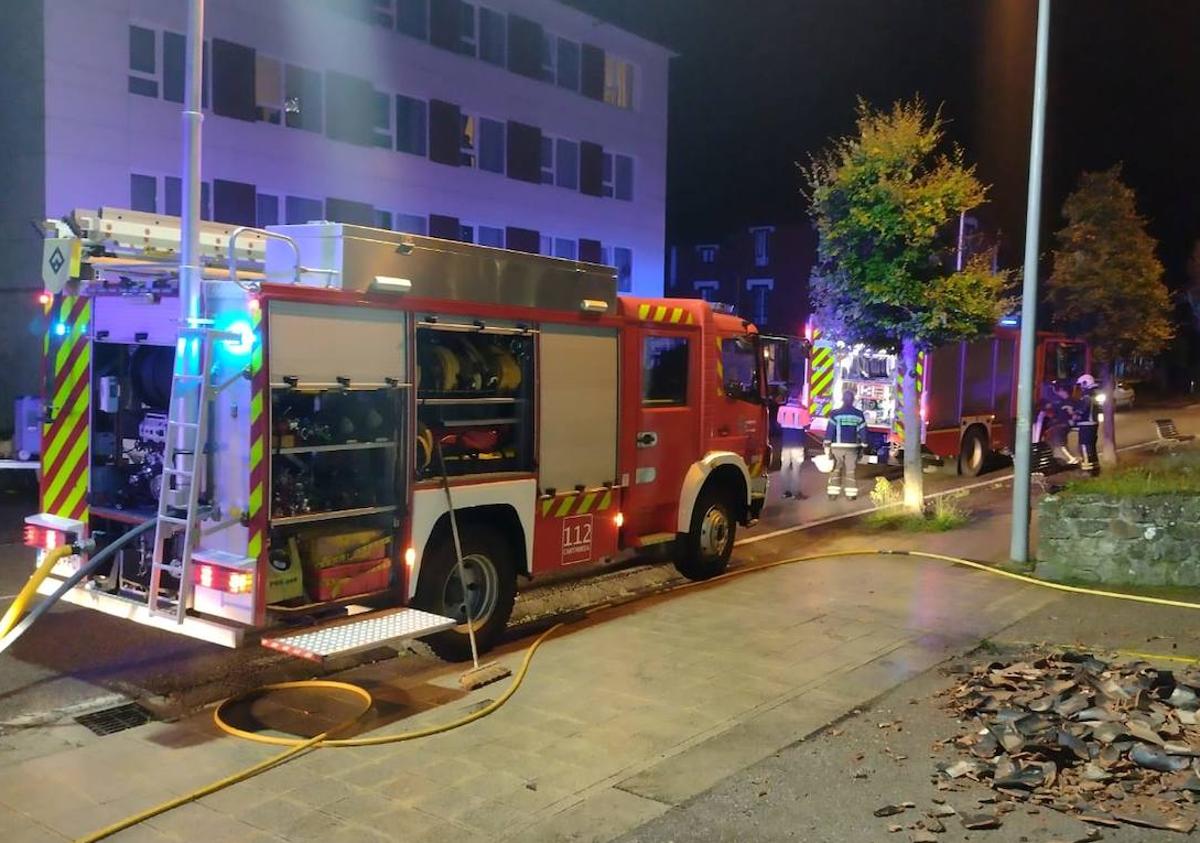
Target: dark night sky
{"points": [[761, 84]]}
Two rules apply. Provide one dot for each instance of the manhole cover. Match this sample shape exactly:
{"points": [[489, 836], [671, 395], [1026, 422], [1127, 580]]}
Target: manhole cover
{"points": [[116, 719]]}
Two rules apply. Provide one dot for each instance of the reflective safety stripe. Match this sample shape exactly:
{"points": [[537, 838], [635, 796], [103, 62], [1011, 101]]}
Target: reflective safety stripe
{"points": [[67, 360], [574, 503], [664, 313]]}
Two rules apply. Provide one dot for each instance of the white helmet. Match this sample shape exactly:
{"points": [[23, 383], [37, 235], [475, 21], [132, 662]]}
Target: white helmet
{"points": [[1086, 382]]}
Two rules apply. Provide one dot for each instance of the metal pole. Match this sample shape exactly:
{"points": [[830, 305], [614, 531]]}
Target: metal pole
{"points": [[1019, 550], [962, 228], [189, 250]]}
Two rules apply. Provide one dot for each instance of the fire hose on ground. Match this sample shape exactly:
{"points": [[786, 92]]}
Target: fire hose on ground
{"points": [[300, 746]]}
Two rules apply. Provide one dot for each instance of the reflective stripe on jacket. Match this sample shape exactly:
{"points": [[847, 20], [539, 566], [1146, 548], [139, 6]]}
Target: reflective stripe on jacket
{"points": [[847, 426]]}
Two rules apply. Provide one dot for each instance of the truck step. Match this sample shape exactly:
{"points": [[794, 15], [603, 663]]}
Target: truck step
{"points": [[351, 635]]}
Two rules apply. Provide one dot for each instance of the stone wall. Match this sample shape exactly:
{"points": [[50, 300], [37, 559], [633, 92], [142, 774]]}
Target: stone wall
{"points": [[1152, 540]]}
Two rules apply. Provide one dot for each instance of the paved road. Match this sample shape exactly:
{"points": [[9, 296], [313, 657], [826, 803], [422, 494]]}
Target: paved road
{"points": [[76, 658]]}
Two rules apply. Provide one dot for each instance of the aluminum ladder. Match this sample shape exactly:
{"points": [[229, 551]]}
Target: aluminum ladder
{"points": [[187, 437]]}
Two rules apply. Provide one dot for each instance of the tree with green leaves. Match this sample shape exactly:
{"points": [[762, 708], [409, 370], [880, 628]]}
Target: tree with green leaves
{"points": [[1107, 284], [886, 202]]}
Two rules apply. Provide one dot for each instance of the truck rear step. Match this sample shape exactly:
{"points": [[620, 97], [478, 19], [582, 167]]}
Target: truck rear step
{"points": [[350, 635]]}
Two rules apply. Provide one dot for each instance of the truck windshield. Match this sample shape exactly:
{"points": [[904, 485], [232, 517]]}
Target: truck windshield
{"points": [[1065, 361], [740, 362]]}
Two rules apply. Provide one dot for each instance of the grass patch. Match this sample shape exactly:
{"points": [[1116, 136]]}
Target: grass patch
{"points": [[1170, 474], [942, 514]]}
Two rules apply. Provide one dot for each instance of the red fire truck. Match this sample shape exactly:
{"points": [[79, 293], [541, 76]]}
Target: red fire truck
{"points": [[354, 380]]}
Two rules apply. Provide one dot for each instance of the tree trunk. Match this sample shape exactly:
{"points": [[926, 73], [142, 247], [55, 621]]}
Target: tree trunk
{"points": [[1108, 428], [914, 490]]}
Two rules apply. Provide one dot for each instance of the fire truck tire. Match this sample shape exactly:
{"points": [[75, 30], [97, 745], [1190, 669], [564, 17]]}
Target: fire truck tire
{"points": [[975, 452], [709, 543], [490, 573]]}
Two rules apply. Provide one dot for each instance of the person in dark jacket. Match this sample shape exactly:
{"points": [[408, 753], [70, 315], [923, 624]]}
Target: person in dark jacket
{"points": [[845, 434], [1087, 423]]}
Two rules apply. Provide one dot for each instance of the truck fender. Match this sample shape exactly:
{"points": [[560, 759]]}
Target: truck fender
{"points": [[694, 480], [429, 507]]}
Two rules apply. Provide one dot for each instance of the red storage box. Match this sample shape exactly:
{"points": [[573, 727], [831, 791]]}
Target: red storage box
{"points": [[349, 579]]}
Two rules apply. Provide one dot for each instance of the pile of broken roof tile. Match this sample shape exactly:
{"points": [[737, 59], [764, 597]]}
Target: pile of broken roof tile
{"points": [[1108, 743]]}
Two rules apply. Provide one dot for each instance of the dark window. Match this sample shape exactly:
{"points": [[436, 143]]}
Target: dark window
{"points": [[591, 72], [624, 177], [525, 47], [352, 213], [606, 174], [591, 169], [205, 192], [522, 239], [143, 87], [623, 261], [568, 64], [466, 29], [233, 80], [565, 248], [234, 202], [492, 36], [382, 14], [410, 125], [412, 18], [446, 228], [468, 126], [299, 210], [762, 246], [410, 223], [302, 98], [757, 294], [268, 89], [547, 157], [491, 146], [486, 235], [143, 193], [566, 164], [383, 219], [524, 152], [445, 132], [444, 23], [665, 364], [708, 254], [174, 47], [268, 210], [740, 364], [141, 50], [349, 109], [590, 250], [383, 119], [466, 233], [173, 197], [549, 55]]}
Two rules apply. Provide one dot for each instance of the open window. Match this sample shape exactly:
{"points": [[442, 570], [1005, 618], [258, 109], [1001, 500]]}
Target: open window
{"points": [[739, 366]]}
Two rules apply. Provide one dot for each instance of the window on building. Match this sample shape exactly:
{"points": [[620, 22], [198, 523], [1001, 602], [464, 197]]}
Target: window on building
{"points": [[623, 261], [565, 247], [234, 202], [467, 37], [268, 88], [491, 145], [545, 244], [266, 210], [409, 223], [410, 125], [383, 219], [143, 193], [487, 235], [350, 212], [383, 13], [566, 163], [707, 254], [383, 119], [302, 98], [547, 160], [467, 141], [233, 80], [665, 371], [623, 187], [298, 210], [412, 18], [143, 66], [762, 245], [605, 256], [606, 175], [618, 82], [173, 197], [567, 64], [466, 232], [706, 290], [758, 291], [174, 48], [549, 56], [493, 31]]}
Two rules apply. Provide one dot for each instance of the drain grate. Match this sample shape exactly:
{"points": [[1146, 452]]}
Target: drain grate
{"points": [[109, 721]]}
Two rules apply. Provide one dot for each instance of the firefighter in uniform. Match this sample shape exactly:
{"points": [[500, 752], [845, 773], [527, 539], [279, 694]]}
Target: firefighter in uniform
{"points": [[844, 436], [1087, 423]]}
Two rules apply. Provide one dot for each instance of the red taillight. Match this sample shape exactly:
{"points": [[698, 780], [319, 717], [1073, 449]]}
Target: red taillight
{"points": [[43, 538], [223, 579]]}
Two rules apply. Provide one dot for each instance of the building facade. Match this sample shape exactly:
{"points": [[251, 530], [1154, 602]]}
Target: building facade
{"points": [[761, 271], [516, 123]]}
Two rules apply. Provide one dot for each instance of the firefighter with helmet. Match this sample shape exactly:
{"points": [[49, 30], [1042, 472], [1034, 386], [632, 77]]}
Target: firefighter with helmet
{"points": [[1087, 422], [845, 435]]}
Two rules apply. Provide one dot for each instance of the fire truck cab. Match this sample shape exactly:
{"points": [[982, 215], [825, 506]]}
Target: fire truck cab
{"points": [[356, 381]]}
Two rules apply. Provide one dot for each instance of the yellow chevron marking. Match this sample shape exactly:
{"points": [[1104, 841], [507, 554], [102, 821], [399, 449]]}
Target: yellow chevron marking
{"points": [[691, 320], [68, 385], [643, 311], [546, 504], [68, 506], [254, 546], [73, 457], [256, 500], [565, 506], [256, 407], [72, 339], [256, 452], [660, 313], [606, 501], [676, 315], [585, 505], [61, 439]]}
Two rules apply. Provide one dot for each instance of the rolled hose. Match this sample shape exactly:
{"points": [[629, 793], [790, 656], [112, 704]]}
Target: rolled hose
{"points": [[11, 635], [298, 746]]}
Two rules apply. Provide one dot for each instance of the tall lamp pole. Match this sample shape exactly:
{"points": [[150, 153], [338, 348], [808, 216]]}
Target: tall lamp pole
{"points": [[1019, 550], [189, 258]]}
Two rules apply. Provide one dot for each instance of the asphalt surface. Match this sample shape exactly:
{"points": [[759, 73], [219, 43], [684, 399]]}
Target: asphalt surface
{"points": [[76, 659]]}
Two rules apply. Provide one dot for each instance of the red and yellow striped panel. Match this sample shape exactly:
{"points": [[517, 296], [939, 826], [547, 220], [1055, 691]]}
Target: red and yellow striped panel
{"points": [[663, 313], [820, 389], [67, 352], [258, 432], [898, 425], [577, 503]]}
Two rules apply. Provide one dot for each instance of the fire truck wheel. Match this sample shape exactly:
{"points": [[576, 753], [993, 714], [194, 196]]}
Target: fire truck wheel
{"points": [[709, 543], [974, 454], [491, 587]]}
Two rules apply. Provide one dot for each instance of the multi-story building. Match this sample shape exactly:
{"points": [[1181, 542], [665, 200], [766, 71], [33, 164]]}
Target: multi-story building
{"points": [[517, 123], [762, 271]]}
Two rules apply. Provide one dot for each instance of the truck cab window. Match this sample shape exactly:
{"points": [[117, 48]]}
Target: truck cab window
{"points": [[665, 371], [740, 363]]}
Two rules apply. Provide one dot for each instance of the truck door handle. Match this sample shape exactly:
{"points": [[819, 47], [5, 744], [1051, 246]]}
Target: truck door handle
{"points": [[647, 440]]}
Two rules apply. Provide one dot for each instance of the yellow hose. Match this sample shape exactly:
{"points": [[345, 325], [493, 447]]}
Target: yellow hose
{"points": [[13, 615], [298, 746]]}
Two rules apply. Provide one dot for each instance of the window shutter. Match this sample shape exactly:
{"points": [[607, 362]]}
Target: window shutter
{"points": [[524, 153], [444, 23], [524, 47], [350, 109], [591, 168], [233, 80], [445, 132], [591, 72], [522, 239], [234, 202], [589, 250]]}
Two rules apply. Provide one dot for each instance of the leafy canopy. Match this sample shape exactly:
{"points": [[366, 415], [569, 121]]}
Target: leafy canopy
{"points": [[1107, 282], [886, 201]]}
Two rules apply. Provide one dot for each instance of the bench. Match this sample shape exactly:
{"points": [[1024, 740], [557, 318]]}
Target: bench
{"points": [[1167, 435]]}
